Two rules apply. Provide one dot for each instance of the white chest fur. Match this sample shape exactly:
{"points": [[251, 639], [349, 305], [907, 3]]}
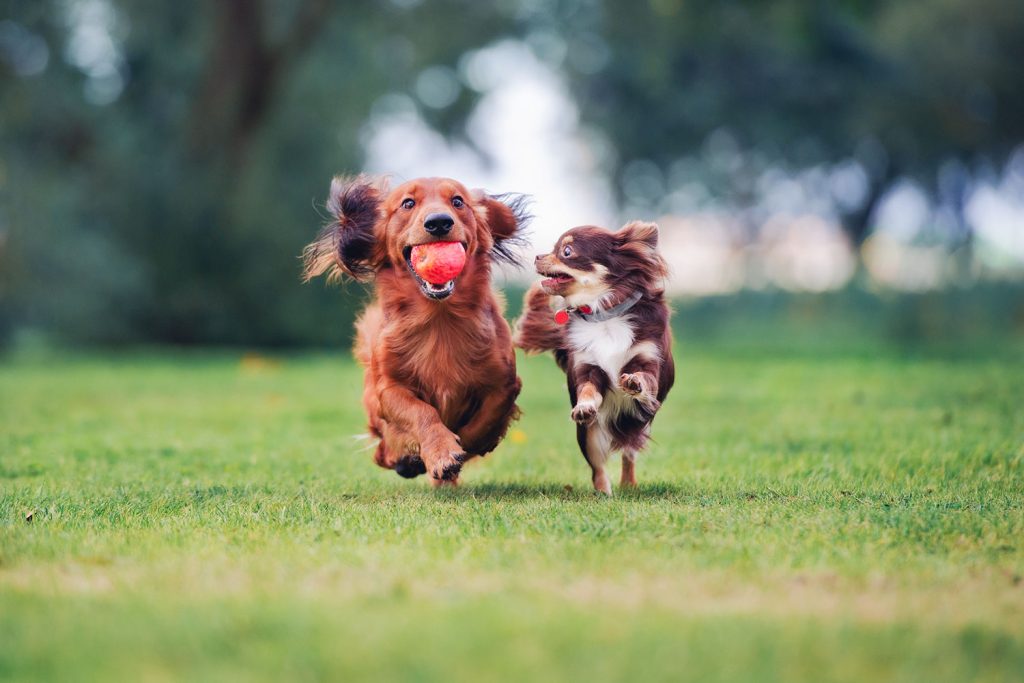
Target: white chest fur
{"points": [[606, 344]]}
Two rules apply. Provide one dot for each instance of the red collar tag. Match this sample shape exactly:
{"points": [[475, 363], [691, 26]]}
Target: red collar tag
{"points": [[562, 315]]}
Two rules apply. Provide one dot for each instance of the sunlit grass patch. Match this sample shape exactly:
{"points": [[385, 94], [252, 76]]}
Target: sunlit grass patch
{"points": [[798, 518]]}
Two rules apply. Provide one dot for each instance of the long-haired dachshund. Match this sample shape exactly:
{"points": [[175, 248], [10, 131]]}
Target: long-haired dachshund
{"points": [[601, 310], [440, 382]]}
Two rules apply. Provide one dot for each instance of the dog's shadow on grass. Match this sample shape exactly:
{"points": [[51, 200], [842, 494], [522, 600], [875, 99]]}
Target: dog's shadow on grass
{"points": [[518, 491]]}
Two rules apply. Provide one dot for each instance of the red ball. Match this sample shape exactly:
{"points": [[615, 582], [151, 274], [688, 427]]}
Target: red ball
{"points": [[438, 262]]}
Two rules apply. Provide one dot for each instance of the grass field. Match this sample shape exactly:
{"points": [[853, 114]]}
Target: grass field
{"points": [[803, 516]]}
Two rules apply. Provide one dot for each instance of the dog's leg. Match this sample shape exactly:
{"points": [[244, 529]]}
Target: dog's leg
{"points": [[628, 468], [596, 444], [487, 427], [445, 483], [639, 379], [440, 450], [588, 402], [587, 386], [590, 382], [398, 451]]}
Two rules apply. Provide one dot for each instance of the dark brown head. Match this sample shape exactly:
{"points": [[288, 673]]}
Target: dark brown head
{"points": [[375, 227], [597, 267]]}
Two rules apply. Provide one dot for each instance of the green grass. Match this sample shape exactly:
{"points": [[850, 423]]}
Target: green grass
{"points": [[801, 517]]}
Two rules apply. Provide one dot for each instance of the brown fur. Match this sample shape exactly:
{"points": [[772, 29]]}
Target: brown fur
{"points": [[440, 378], [601, 269]]}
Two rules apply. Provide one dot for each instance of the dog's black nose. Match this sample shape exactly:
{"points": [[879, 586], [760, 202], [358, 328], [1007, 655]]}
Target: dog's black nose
{"points": [[438, 224], [537, 258]]}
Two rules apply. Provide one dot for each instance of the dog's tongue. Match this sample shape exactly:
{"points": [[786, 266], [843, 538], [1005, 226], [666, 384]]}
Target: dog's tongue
{"points": [[438, 262]]}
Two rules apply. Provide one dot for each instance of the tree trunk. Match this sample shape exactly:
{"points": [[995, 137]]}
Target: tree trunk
{"points": [[242, 76], [857, 224]]}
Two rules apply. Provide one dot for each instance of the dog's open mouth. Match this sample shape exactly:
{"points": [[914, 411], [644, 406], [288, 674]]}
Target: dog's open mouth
{"points": [[554, 280], [429, 289]]}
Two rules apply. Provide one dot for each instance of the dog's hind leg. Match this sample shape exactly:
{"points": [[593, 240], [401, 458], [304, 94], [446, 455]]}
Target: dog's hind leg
{"points": [[596, 444], [630, 436], [487, 427], [628, 469]]}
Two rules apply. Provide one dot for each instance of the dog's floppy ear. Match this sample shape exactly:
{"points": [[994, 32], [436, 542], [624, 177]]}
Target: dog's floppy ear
{"points": [[347, 245], [506, 217]]}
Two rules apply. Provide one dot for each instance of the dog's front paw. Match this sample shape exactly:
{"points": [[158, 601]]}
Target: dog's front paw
{"points": [[632, 383], [642, 387], [410, 466], [443, 456], [584, 412], [448, 467]]}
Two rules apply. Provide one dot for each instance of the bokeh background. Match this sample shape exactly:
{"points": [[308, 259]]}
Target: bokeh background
{"points": [[819, 169]]}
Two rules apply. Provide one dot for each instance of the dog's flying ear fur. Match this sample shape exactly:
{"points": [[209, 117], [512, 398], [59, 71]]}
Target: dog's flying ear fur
{"points": [[347, 244], [640, 231], [506, 216], [639, 241]]}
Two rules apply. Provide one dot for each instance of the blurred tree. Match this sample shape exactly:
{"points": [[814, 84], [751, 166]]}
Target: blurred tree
{"points": [[158, 160], [902, 88], [163, 158]]}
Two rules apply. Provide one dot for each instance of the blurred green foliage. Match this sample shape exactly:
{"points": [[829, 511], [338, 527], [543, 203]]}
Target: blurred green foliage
{"points": [[174, 210], [177, 213], [928, 89]]}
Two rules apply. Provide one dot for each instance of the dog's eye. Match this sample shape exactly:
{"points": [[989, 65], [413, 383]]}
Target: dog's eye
{"points": [[457, 202], [408, 203], [567, 251]]}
